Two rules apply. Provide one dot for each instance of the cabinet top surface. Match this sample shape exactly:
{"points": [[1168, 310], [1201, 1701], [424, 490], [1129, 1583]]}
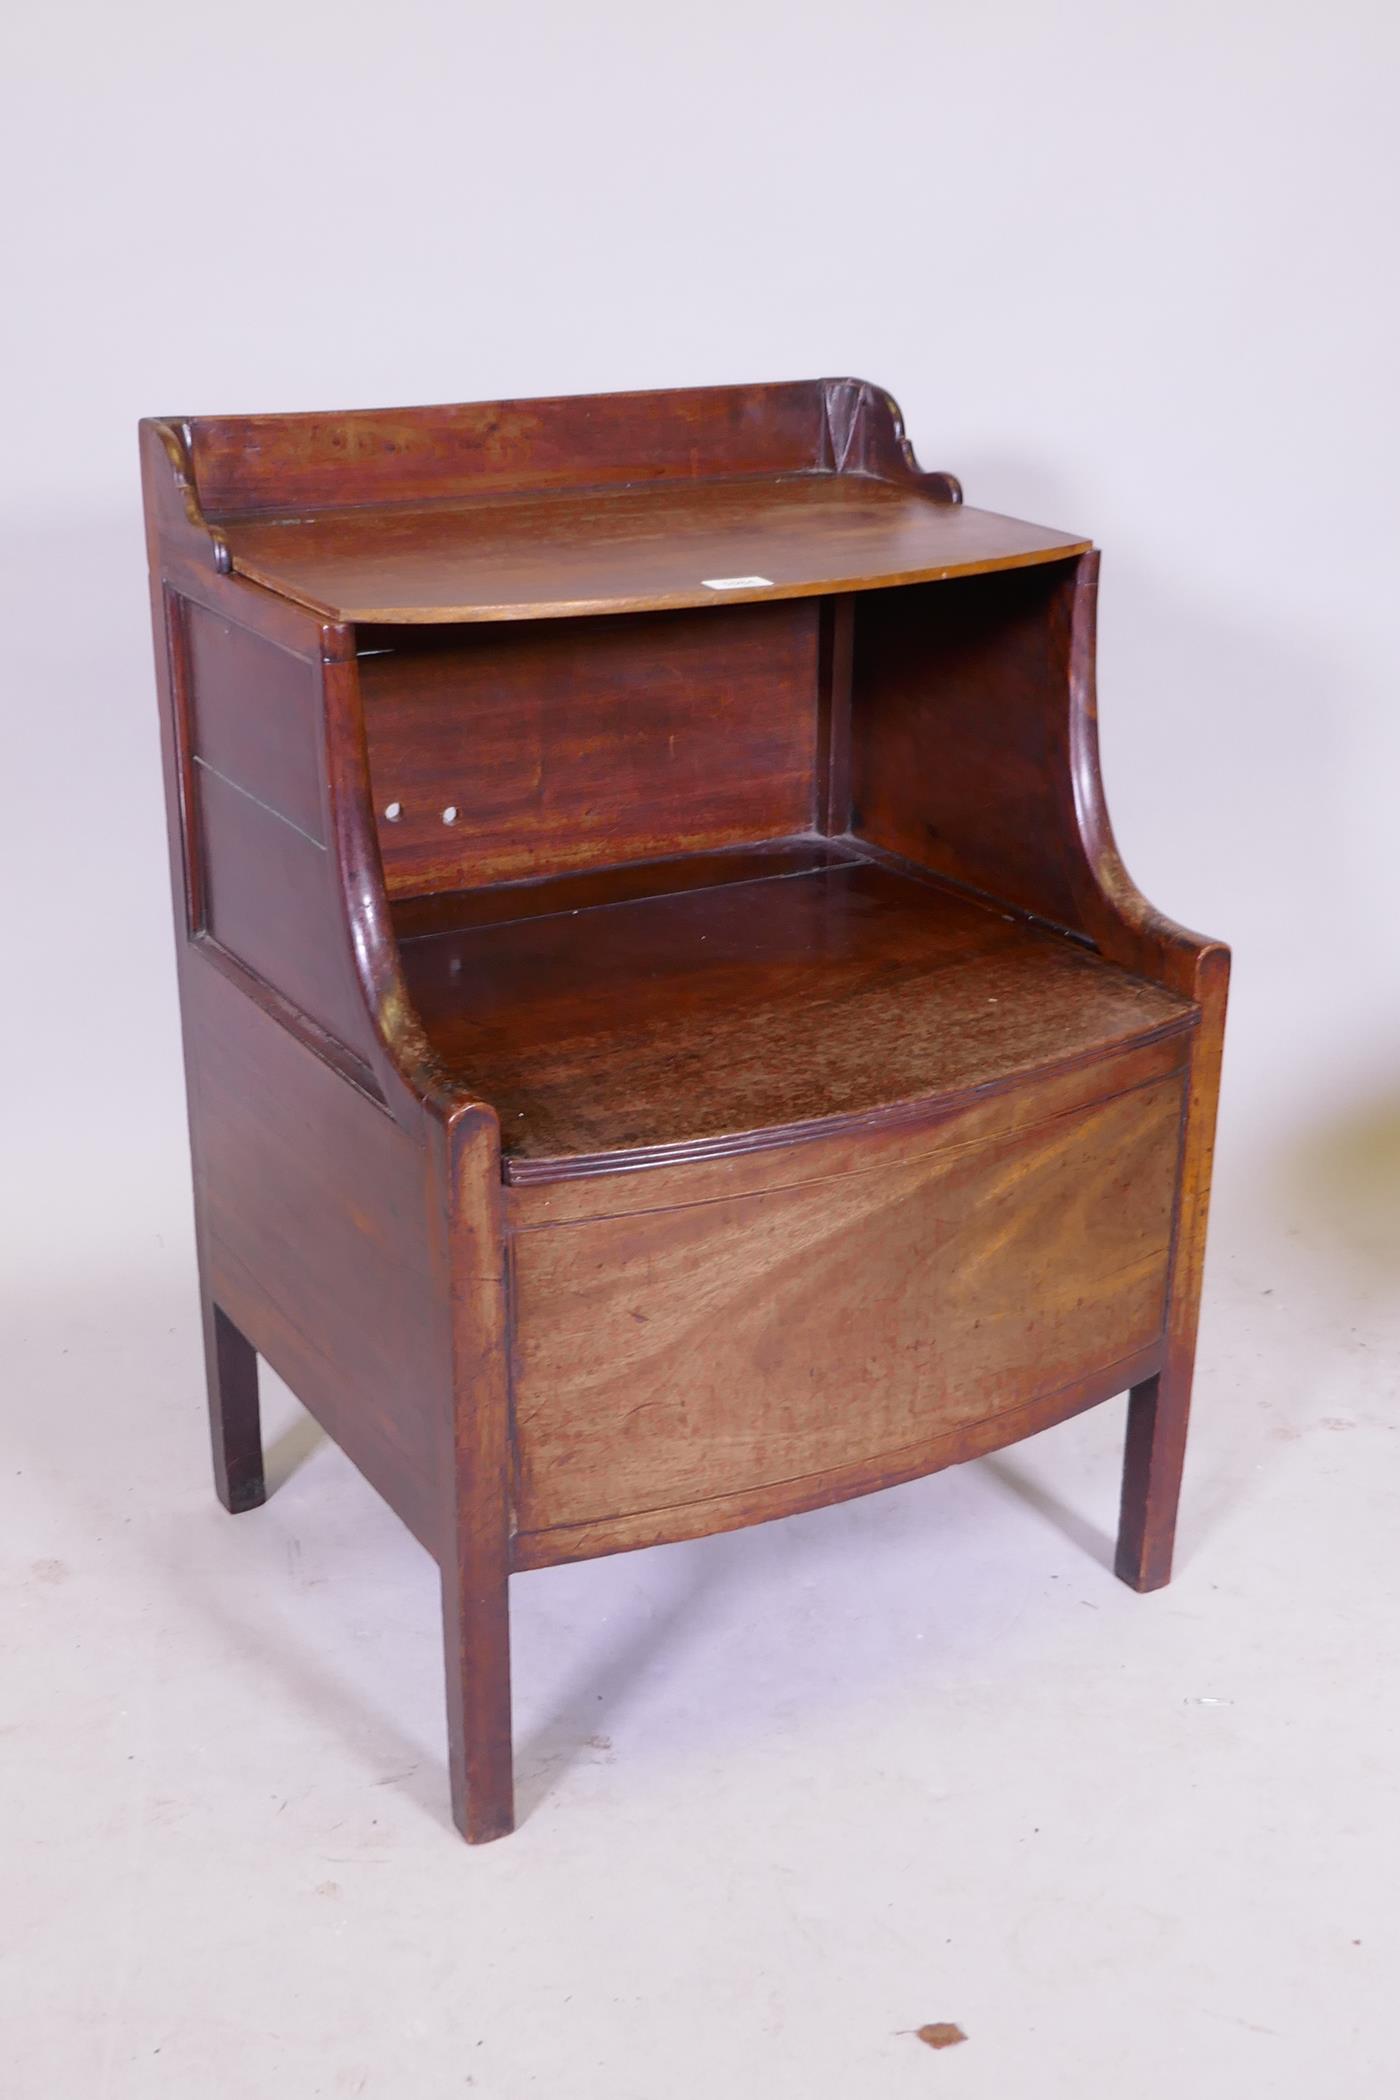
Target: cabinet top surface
{"points": [[629, 549], [594, 503]]}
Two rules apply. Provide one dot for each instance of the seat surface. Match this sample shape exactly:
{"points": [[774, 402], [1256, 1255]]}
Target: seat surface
{"points": [[611, 1033]]}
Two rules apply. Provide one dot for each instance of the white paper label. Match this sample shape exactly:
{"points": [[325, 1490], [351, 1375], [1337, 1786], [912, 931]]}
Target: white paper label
{"points": [[737, 583]]}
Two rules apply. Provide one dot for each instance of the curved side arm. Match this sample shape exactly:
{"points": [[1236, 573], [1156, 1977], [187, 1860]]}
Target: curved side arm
{"points": [[408, 1069], [1114, 912]]}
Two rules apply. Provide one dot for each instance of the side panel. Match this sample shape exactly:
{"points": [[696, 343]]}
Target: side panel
{"points": [[262, 883], [960, 733], [716, 1349], [255, 717], [323, 1242]]}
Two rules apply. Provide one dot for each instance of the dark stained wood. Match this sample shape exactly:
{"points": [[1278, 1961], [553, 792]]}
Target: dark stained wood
{"points": [[713, 1349], [629, 550], [476, 1573], [733, 1512], [256, 719], [248, 465], [960, 734], [975, 752], [717, 1017], [1159, 1408], [271, 901], [560, 747], [832, 796], [861, 1146], [317, 1243], [624, 882], [769, 1087], [234, 1418]]}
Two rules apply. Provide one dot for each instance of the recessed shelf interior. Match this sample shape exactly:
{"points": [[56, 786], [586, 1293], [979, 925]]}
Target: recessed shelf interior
{"points": [[680, 903], [696, 1002]]}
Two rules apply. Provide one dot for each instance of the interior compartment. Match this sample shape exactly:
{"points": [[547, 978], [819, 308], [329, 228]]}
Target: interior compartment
{"points": [[666, 881], [831, 994]]}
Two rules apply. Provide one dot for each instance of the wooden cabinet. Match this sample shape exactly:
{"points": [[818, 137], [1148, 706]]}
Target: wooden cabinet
{"points": [[670, 1041]]}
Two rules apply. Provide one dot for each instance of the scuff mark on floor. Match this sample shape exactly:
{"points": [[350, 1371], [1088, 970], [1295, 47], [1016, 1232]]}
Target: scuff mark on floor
{"points": [[939, 2034]]}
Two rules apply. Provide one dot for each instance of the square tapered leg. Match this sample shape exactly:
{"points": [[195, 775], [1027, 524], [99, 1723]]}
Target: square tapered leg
{"points": [[234, 1424]]}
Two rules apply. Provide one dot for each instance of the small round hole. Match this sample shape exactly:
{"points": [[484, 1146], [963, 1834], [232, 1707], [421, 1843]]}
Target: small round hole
{"points": [[449, 815], [393, 811]]}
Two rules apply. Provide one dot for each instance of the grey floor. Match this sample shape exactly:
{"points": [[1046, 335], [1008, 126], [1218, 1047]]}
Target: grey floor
{"points": [[787, 1795]]}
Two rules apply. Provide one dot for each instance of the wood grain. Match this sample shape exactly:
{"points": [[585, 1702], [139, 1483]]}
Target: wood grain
{"points": [[314, 1211], [960, 734], [246, 465], [476, 1485], [535, 1204], [561, 748], [717, 1017], [432, 912], [629, 550], [733, 1511], [256, 718], [723, 1347]]}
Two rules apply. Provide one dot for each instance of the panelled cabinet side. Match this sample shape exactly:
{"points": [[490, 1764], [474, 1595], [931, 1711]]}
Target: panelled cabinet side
{"points": [[281, 707], [318, 1118]]}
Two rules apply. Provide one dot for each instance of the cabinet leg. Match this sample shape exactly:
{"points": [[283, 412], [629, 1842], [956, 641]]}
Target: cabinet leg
{"points": [[1159, 1408], [1152, 1465], [476, 1631], [231, 1364]]}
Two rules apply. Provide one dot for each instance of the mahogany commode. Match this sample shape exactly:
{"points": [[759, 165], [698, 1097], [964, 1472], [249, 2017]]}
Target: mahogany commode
{"points": [[669, 1038]]}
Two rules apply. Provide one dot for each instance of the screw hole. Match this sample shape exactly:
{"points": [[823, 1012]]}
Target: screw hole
{"points": [[449, 815], [393, 811]]}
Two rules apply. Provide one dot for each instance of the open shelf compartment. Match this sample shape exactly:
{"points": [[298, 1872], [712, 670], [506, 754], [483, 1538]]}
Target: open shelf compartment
{"points": [[678, 1009]]}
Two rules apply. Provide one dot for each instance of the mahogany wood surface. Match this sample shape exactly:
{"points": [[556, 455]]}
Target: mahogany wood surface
{"points": [[717, 1016], [251, 465], [953, 1447], [318, 1243], [630, 550], [659, 1071], [716, 1348], [831, 1152], [560, 747]]}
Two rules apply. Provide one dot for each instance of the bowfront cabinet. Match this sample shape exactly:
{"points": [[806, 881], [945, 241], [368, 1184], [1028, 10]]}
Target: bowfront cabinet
{"points": [[670, 1041]]}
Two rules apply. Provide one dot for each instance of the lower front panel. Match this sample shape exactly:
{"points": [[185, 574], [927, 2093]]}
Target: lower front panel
{"points": [[716, 1349]]}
